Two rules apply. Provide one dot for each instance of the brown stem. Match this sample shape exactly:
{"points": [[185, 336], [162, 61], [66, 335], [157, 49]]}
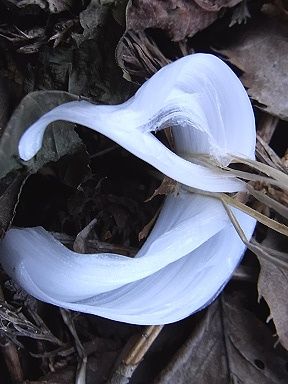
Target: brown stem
{"points": [[133, 354]]}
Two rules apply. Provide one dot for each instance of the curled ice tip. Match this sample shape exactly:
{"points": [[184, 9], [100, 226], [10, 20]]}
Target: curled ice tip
{"points": [[198, 96], [193, 248]]}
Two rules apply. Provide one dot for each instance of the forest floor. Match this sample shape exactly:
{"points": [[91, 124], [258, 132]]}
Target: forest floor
{"points": [[54, 51]]}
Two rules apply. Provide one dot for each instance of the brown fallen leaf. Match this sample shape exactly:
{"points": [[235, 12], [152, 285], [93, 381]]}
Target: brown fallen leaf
{"points": [[138, 56], [59, 141], [64, 376], [57, 6], [179, 18], [10, 190], [260, 50], [216, 5], [4, 104], [166, 187], [229, 345], [53, 6], [91, 19], [147, 228], [14, 324], [273, 286]]}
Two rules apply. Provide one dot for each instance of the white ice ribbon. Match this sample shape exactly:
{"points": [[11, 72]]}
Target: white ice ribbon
{"points": [[193, 248]]}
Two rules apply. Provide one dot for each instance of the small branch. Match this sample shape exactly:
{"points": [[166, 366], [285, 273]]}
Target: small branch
{"points": [[11, 356], [245, 274], [256, 248], [95, 246], [133, 355], [82, 364], [268, 201], [12, 361], [81, 238], [105, 151], [267, 126], [273, 224]]}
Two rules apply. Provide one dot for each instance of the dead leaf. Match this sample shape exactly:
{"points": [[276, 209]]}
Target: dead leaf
{"points": [[98, 369], [97, 76], [61, 376], [93, 17], [16, 324], [24, 41], [58, 142], [57, 6], [179, 18], [216, 5], [82, 237], [230, 345], [10, 189], [138, 56], [4, 104], [166, 187], [272, 286], [53, 6], [260, 50], [147, 228]]}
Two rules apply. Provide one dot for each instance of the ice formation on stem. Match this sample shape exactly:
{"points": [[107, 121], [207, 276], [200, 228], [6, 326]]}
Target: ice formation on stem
{"points": [[193, 248]]}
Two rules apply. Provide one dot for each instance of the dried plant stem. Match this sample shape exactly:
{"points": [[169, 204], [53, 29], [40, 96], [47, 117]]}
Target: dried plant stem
{"points": [[80, 241], [232, 201], [275, 225], [82, 364], [268, 201], [245, 273], [94, 245], [266, 155], [274, 256], [142, 345], [256, 248], [274, 175], [133, 354], [105, 151], [12, 361], [267, 126], [11, 356]]}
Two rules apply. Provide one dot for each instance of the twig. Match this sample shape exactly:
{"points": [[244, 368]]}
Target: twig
{"points": [[82, 364], [14, 324], [10, 355], [12, 361], [105, 151], [256, 248], [133, 355], [267, 126], [95, 246], [266, 154], [245, 273], [80, 241], [268, 201]]}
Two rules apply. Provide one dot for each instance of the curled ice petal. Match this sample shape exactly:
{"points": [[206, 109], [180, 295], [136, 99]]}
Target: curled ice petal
{"points": [[181, 267], [169, 294], [198, 96], [193, 248], [184, 224]]}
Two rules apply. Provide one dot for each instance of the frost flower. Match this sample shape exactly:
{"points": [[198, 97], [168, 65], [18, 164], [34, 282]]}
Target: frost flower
{"points": [[193, 248]]}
